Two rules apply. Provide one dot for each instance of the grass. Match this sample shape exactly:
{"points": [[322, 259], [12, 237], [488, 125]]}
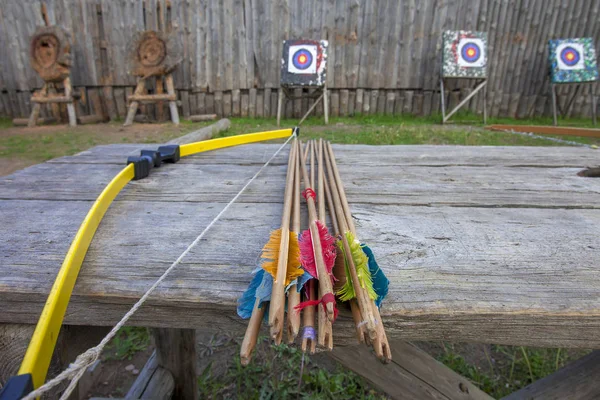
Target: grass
{"points": [[128, 341], [22, 147], [35, 146], [393, 130], [275, 374], [506, 369]]}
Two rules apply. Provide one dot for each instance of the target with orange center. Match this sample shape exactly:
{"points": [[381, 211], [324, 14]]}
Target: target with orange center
{"points": [[471, 52], [302, 59], [570, 56]]}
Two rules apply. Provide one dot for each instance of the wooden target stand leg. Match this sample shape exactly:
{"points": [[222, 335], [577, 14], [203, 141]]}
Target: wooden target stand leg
{"points": [[563, 112], [284, 91], [46, 96], [481, 86], [140, 97]]}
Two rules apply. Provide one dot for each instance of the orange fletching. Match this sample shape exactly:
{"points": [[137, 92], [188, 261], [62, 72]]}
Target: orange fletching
{"points": [[270, 256]]}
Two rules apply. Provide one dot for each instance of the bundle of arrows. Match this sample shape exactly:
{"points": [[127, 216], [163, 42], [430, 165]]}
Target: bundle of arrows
{"points": [[306, 276]]}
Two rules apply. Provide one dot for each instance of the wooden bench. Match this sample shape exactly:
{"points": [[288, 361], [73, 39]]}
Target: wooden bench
{"points": [[485, 244]]}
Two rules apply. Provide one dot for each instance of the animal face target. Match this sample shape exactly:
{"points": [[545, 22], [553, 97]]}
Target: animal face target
{"points": [[464, 54], [572, 60], [304, 62]]}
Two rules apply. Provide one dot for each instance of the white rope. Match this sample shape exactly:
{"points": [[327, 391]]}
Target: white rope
{"points": [[84, 360]]}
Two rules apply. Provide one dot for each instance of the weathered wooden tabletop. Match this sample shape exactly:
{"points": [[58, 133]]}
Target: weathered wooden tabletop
{"points": [[490, 244]]}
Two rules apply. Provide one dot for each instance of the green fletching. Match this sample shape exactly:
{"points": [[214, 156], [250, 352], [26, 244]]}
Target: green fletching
{"points": [[361, 262]]}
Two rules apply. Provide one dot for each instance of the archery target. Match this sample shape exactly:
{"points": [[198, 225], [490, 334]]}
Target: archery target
{"points": [[471, 53], [302, 59], [570, 56]]}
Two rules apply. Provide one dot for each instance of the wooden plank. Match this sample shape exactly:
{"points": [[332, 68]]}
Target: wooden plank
{"points": [[244, 105], [227, 104], [493, 220], [193, 103], [359, 101], [548, 130], [252, 103], [335, 104], [399, 103], [154, 381], [412, 374], [373, 96], [218, 101], [235, 100], [575, 381], [381, 101], [176, 352], [120, 104], [351, 102], [185, 103], [260, 104], [344, 98], [268, 112], [408, 102], [109, 101], [201, 99]]}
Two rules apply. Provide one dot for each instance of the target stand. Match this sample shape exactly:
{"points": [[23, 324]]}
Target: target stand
{"points": [[153, 54], [464, 56], [304, 65], [50, 57], [572, 62]]}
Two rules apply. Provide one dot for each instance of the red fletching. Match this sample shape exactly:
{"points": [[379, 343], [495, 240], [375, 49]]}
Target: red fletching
{"points": [[327, 298], [307, 256]]}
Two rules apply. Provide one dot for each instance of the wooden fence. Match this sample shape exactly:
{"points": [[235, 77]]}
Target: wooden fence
{"points": [[384, 55]]}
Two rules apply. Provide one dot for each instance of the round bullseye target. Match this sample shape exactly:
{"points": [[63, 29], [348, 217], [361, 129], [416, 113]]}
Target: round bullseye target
{"points": [[570, 56], [471, 52], [302, 59]]}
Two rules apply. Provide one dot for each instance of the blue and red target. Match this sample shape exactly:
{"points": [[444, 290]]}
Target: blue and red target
{"points": [[570, 56], [471, 52], [302, 59]]}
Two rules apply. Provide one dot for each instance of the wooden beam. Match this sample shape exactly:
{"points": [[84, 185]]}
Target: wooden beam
{"points": [[547, 130], [203, 133], [203, 117], [579, 380], [52, 99], [412, 374], [25, 121], [154, 382], [152, 98], [176, 353], [465, 100]]}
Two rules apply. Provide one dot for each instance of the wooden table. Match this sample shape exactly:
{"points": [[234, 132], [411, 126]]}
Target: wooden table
{"points": [[486, 244]]}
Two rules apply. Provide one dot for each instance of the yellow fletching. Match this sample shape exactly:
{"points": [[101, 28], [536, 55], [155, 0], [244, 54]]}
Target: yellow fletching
{"points": [[270, 256]]}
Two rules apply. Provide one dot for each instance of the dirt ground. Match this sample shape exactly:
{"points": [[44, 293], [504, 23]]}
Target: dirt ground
{"points": [[21, 147]]}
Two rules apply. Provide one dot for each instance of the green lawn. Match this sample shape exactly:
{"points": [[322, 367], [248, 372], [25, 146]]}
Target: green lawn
{"points": [[389, 130], [30, 146]]}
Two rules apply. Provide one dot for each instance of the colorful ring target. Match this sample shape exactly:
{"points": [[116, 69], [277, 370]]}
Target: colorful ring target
{"points": [[302, 59], [471, 52], [570, 56]]}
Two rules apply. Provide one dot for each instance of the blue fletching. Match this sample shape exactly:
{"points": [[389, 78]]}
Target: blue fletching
{"points": [[263, 292], [380, 281], [303, 279], [246, 302]]}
